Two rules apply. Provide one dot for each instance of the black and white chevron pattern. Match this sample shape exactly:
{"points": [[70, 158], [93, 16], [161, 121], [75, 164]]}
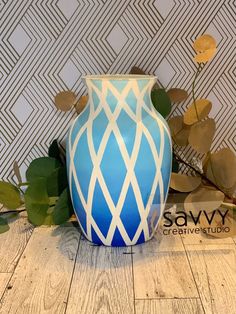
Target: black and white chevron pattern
{"points": [[47, 45]]}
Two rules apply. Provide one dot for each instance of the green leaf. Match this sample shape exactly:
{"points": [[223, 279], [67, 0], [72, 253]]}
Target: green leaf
{"points": [[4, 227], [54, 151], [175, 165], [53, 200], [37, 201], [41, 167], [57, 182], [9, 195], [48, 220], [63, 209], [161, 101]]}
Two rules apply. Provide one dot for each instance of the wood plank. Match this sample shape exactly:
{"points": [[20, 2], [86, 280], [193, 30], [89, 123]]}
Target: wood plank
{"points": [[13, 242], [4, 278], [175, 203], [169, 306], [102, 281], [162, 271], [161, 243], [214, 269], [202, 238], [234, 239], [41, 281]]}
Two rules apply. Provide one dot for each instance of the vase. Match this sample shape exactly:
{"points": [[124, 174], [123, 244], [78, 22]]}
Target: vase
{"points": [[119, 159]]}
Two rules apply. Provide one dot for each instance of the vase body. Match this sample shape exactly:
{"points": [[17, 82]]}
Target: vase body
{"points": [[119, 159]]}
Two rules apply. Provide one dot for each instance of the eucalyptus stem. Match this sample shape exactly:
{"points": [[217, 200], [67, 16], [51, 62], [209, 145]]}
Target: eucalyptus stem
{"points": [[193, 88], [20, 184], [23, 184], [178, 158]]}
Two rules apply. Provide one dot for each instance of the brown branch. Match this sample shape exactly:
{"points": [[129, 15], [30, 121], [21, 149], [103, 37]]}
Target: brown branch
{"points": [[193, 89]]}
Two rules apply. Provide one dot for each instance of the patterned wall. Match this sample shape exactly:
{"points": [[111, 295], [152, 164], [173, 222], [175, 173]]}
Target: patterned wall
{"points": [[47, 45]]}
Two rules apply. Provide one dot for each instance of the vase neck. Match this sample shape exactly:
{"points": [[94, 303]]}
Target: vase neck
{"points": [[114, 92]]}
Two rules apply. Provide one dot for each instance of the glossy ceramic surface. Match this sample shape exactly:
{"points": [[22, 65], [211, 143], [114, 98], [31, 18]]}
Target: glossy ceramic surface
{"points": [[119, 160]]}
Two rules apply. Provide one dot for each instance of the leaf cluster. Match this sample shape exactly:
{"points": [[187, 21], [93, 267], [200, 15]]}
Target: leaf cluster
{"points": [[47, 198], [215, 183]]}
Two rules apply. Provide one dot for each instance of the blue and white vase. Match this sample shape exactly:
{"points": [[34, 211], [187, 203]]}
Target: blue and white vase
{"points": [[119, 159]]}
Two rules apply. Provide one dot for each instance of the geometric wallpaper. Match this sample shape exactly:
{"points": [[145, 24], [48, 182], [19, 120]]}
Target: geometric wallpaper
{"points": [[46, 46]]}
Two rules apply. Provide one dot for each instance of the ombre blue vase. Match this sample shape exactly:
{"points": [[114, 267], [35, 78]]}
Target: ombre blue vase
{"points": [[119, 159]]}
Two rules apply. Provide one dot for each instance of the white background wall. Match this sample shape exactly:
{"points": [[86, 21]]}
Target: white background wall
{"points": [[46, 46]]}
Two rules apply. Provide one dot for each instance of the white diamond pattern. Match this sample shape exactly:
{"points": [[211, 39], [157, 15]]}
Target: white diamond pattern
{"points": [[19, 39], [79, 31], [67, 7], [117, 38], [69, 73], [21, 109]]}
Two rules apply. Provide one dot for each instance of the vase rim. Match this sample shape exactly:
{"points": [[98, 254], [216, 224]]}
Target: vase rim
{"points": [[119, 77]]}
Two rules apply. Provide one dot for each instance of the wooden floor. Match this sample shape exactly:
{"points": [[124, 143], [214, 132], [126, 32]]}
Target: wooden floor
{"points": [[54, 270]]}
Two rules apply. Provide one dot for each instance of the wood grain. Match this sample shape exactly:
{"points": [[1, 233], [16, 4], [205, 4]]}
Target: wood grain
{"points": [[102, 281], [202, 238], [13, 243], [234, 239], [162, 274], [214, 269], [4, 278], [40, 283], [161, 243], [169, 306]]}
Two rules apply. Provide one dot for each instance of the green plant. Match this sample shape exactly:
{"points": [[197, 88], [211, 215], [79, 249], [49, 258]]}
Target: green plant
{"points": [[46, 198]]}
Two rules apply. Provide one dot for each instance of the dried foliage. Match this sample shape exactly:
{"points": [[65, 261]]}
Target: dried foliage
{"points": [[218, 177]]}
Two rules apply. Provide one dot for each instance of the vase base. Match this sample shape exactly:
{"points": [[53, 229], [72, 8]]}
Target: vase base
{"points": [[115, 243]]}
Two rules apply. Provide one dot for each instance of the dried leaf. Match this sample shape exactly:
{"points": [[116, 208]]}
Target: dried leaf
{"points": [[231, 191], [177, 94], [197, 111], [179, 131], [204, 42], [201, 135], [184, 183], [81, 104], [203, 198], [221, 168], [65, 100], [205, 161], [205, 46], [205, 56], [16, 170], [136, 70], [229, 222]]}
